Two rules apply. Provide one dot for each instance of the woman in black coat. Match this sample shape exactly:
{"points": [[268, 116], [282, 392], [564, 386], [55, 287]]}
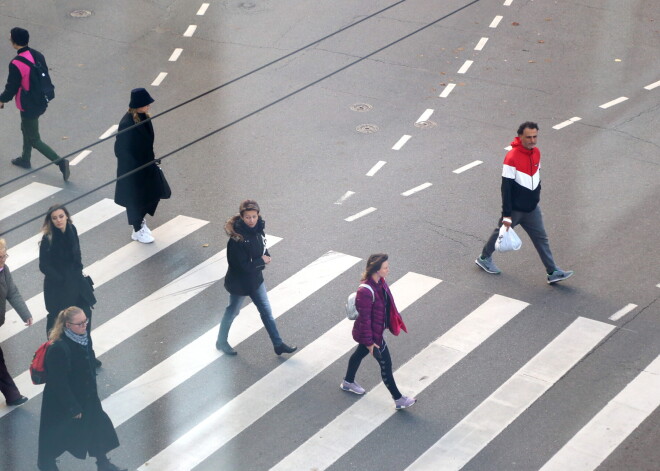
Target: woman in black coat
{"points": [[140, 192], [72, 418], [61, 263]]}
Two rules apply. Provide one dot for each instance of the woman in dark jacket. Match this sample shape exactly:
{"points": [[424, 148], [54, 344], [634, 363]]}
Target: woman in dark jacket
{"points": [[375, 307], [72, 418], [140, 192], [247, 256], [61, 263]]}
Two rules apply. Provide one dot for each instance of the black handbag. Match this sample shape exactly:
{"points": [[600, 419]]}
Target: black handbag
{"points": [[87, 290], [165, 190]]}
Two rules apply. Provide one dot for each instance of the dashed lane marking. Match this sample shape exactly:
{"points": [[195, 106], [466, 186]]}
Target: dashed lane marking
{"points": [[464, 68], [175, 54], [401, 142], [496, 21], [421, 187], [563, 124], [375, 168], [425, 116], [202, 9], [468, 166], [480, 45], [613, 102], [622, 312], [652, 86], [78, 158], [360, 214], [111, 130], [159, 79], [445, 93], [190, 31], [345, 196]]}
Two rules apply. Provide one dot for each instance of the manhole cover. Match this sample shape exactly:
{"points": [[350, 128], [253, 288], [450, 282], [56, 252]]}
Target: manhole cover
{"points": [[80, 13], [361, 107], [425, 124], [367, 128]]}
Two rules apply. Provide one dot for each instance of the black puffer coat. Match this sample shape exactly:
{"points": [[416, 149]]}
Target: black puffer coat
{"points": [[245, 247]]}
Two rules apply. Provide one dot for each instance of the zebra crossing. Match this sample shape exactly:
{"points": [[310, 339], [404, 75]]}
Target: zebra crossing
{"points": [[322, 448]]}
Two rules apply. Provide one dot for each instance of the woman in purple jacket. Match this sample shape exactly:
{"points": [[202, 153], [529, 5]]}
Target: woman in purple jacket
{"points": [[374, 307]]}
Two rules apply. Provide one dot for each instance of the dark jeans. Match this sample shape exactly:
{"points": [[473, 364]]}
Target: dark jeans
{"points": [[382, 355], [31, 138], [7, 385]]}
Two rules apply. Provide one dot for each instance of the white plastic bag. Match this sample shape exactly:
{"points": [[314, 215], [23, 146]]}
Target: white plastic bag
{"points": [[507, 240]]}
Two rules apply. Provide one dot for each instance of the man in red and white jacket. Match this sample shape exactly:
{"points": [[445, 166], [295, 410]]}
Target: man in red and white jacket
{"points": [[521, 192]]}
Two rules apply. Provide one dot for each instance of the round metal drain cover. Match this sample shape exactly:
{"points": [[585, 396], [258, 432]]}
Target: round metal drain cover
{"points": [[80, 13], [367, 128], [425, 124], [361, 107]]}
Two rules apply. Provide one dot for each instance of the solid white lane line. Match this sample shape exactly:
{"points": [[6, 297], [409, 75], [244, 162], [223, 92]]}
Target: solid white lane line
{"points": [[370, 411], [242, 411], [467, 438], [610, 427], [159, 79], [652, 86], [464, 68], [115, 264], [111, 130], [613, 102], [508, 3], [162, 378], [480, 45], [375, 168], [175, 54], [468, 166], [360, 214], [563, 124], [425, 116], [496, 21], [445, 93], [190, 31], [622, 312], [79, 158], [25, 197], [346, 195], [202, 9], [88, 218], [401, 142], [421, 187]]}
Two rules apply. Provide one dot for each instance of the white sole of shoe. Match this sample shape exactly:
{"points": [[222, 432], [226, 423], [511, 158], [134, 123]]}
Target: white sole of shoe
{"points": [[341, 386]]}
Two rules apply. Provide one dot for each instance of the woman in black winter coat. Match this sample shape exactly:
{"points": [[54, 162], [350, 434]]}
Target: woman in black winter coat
{"points": [[140, 192], [247, 256], [72, 418]]}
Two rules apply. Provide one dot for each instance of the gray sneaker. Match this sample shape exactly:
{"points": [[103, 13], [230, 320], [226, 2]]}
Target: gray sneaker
{"points": [[352, 387], [404, 402], [487, 265], [559, 275]]}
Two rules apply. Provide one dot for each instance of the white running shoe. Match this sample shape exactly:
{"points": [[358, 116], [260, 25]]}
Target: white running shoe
{"points": [[142, 236], [144, 226]]}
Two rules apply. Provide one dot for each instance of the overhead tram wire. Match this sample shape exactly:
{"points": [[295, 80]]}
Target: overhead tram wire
{"points": [[252, 113], [208, 92]]}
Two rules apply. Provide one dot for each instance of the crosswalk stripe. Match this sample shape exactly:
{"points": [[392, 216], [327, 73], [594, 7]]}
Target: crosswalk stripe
{"points": [[88, 218], [345, 431], [25, 197], [234, 417], [114, 264], [458, 446], [155, 383], [605, 432]]}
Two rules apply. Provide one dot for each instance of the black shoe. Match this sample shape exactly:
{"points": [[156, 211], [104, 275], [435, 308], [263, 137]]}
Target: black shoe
{"points": [[107, 466], [226, 348], [97, 363], [18, 402], [64, 168], [284, 348], [19, 162]]}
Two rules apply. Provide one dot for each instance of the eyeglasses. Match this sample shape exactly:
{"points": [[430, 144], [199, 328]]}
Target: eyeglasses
{"points": [[80, 324]]}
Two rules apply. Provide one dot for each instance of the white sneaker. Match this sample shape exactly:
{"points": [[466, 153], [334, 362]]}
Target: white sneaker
{"points": [[142, 236], [144, 226]]}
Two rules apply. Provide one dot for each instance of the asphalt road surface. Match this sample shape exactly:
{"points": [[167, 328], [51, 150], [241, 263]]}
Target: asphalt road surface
{"points": [[360, 127]]}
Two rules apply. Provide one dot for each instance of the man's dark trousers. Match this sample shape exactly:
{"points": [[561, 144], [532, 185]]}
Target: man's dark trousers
{"points": [[31, 138]]}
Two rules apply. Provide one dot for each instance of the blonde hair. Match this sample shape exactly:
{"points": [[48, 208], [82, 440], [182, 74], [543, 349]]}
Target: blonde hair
{"points": [[65, 315], [136, 115], [47, 227], [3, 244]]}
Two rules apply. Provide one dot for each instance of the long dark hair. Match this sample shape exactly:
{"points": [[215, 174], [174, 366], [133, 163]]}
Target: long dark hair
{"points": [[47, 227], [374, 263]]}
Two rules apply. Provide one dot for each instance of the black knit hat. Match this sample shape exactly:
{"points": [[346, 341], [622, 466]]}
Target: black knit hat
{"points": [[139, 98], [20, 36]]}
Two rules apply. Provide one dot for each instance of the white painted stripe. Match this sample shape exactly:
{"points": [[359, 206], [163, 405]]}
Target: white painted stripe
{"points": [[480, 45], [653, 85], [162, 378], [508, 3], [507, 148], [445, 93], [115, 264], [425, 116], [610, 427], [401, 142], [175, 54], [159, 79], [228, 421], [111, 130], [360, 214], [613, 102], [87, 219], [371, 410], [25, 197], [467, 438], [79, 158], [496, 21], [421, 187], [202, 9], [464, 68], [622, 312], [375, 168], [468, 166], [346, 195], [658, 285], [563, 124], [190, 31]]}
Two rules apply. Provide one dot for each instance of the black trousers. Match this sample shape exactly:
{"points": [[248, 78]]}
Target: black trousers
{"points": [[136, 214], [382, 355], [7, 385]]}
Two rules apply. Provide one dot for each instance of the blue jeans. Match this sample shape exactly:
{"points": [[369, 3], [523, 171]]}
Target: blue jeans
{"points": [[260, 299]]}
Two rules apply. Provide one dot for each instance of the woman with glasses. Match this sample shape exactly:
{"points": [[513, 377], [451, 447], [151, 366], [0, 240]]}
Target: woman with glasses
{"points": [[247, 256], [72, 418], [60, 261]]}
